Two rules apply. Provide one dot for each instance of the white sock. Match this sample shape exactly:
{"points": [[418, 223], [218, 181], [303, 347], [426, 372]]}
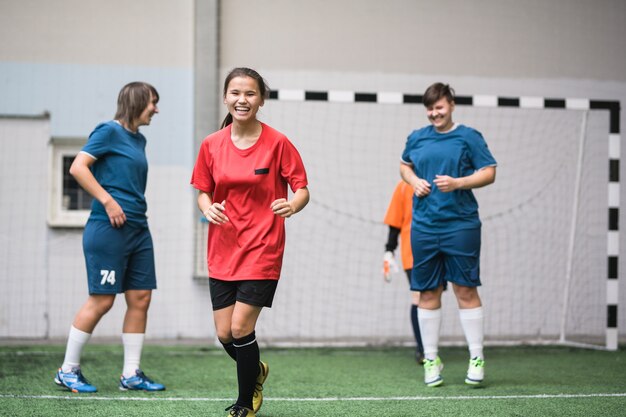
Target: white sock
{"points": [[472, 323], [76, 340], [430, 323], [133, 344]]}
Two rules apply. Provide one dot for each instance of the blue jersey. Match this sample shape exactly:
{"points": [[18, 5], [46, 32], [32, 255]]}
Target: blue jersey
{"points": [[121, 168], [457, 153]]}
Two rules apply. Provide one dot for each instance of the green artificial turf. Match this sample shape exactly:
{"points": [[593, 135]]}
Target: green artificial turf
{"points": [[379, 382]]}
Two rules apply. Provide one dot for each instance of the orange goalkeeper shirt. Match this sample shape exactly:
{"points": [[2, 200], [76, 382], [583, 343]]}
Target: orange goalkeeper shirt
{"points": [[399, 215]]}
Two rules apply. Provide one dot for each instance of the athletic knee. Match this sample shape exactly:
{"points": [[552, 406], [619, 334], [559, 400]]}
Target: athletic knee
{"points": [[430, 299], [139, 300], [100, 305], [467, 297], [239, 330], [224, 338], [222, 330]]}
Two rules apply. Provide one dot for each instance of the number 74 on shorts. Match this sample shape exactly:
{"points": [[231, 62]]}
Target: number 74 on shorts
{"points": [[107, 277]]}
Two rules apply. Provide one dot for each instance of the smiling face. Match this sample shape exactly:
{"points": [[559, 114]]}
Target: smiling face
{"points": [[150, 110], [440, 114], [243, 99]]}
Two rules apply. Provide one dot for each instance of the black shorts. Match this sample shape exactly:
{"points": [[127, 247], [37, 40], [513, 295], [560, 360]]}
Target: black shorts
{"points": [[255, 292]]}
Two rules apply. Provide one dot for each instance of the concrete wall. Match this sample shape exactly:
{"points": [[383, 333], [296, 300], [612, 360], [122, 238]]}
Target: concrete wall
{"points": [[529, 39]]}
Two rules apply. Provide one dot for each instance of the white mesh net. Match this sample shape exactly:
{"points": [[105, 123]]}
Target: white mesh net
{"points": [[544, 226]]}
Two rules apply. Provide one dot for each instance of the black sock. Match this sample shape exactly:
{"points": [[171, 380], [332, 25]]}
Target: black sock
{"points": [[248, 357], [416, 329], [230, 349]]}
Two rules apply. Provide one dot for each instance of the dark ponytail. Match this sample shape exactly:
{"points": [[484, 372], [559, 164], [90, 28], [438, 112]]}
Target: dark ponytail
{"points": [[227, 120]]}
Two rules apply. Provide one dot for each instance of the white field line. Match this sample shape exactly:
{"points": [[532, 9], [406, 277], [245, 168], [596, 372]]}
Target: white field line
{"points": [[324, 399]]}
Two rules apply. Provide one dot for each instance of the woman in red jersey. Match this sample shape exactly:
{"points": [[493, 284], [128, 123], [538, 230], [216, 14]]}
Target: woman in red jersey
{"points": [[242, 173]]}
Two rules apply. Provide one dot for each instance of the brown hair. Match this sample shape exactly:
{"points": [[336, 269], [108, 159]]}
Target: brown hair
{"points": [[436, 92], [244, 72], [132, 101]]}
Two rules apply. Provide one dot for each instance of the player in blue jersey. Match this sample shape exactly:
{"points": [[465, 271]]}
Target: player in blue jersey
{"points": [[117, 244], [443, 162]]}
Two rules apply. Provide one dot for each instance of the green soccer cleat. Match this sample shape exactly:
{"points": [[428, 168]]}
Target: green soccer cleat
{"points": [[257, 398], [432, 372], [475, 371]]}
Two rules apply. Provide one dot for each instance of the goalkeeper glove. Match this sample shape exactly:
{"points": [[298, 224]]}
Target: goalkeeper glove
{"points": [[389, 266]]}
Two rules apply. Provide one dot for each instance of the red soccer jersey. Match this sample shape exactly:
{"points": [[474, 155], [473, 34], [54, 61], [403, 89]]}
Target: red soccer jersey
{"points": [[251, 244]]}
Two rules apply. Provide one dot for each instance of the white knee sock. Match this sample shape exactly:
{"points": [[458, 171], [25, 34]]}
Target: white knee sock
{"points": [[430, 323], [76, 340], [133, 345], [472, 323]]}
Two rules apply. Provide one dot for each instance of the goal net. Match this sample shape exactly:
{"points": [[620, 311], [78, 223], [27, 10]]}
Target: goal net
{"points": [[543, 263]]}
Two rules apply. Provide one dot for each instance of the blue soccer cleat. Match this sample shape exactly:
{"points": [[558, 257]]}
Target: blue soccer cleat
{"points": [[139, 382], [74, 381]]}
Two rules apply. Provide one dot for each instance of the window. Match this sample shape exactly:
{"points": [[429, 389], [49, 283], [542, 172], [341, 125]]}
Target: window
{"points": [[69, 203], [74, 196]]}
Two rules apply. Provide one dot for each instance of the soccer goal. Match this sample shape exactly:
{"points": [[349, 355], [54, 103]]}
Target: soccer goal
{"points": [[545, 245], [549, 254]]}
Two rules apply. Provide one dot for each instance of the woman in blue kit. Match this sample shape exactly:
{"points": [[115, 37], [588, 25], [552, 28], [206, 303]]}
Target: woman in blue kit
{"points": [[117, 244], [443, 162]]}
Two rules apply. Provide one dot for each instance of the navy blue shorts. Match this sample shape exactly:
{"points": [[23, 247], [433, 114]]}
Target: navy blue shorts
{"points": [[441, 257], [255, 292], [118, 259]]}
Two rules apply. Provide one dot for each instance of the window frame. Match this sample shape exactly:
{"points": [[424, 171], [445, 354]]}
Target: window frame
{"points": [[58, 215]]}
